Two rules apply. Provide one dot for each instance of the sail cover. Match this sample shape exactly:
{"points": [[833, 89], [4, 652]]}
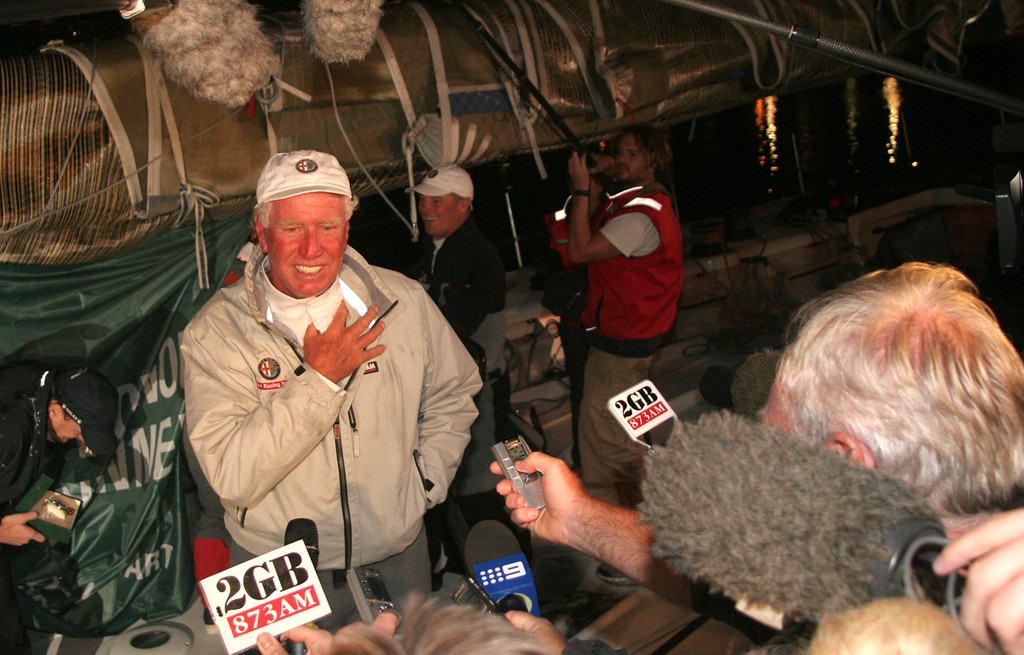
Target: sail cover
{"points": [[101, 151]]}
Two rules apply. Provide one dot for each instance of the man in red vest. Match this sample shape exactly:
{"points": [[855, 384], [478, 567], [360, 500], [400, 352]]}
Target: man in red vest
{"points": [[629, 237]]}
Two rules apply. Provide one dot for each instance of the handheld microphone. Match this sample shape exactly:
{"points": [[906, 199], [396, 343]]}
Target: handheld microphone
{"points": [[272, 592], [715, 385], [499, 567], [304, 530], [770, 520], [744, 389]]}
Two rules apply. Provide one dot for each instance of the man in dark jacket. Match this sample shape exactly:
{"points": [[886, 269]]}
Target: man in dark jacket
{"points": [[41, 406], [463, 272]]}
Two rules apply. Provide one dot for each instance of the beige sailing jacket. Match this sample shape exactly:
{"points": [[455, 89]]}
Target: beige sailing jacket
{"points": [[277, 442]]}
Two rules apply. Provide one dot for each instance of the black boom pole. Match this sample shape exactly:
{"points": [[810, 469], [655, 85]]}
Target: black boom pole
{"points": [[810, 39]]}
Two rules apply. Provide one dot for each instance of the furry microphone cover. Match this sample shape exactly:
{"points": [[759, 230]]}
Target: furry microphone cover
{"points": [[752, 384], [763, 517], [341, 30], [213, 48]]}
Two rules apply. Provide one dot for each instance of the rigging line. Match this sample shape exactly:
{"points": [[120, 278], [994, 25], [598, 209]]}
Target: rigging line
{"points": [[868, 30], [355, 155], [74, 140], [119, 181]]}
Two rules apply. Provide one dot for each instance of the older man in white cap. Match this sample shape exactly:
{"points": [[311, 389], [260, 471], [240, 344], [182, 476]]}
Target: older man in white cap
{"points": [[463, 272], [301, 403]]}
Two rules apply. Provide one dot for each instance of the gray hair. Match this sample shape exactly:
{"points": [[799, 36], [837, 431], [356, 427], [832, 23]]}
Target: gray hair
{"points": [[911, 362], [261, 212]]}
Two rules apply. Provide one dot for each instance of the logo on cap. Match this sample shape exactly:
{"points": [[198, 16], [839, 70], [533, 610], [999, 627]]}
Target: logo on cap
{"points": [[306, 166]]}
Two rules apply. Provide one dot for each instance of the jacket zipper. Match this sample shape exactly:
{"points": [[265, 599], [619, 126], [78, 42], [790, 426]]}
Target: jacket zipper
{"points": [[346, 515]]}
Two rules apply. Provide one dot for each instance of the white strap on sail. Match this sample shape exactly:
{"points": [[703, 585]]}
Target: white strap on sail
{"points": [[117, 131], [269, 100], [600, 49], [525, 114], [192, 200], [449, 126], [409, 135], [154, 128], [396, 76], [581, 58], [755, 56]]}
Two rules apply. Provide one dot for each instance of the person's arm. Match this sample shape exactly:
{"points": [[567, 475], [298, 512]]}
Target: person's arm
{"points": [[447, 409], [604, 531], [15, 530], [585, 244], [322, 642], [992, 607]]}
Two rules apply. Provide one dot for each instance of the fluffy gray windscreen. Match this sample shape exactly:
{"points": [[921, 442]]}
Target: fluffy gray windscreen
{"points": [[761, 516], [341, 30], [213, 48]]}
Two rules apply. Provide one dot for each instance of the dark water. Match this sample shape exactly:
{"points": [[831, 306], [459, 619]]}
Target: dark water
{"points": [[842, 136]]}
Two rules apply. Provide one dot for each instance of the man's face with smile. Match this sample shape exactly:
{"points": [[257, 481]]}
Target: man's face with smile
{"points": [[442, 215], [305, 239]]}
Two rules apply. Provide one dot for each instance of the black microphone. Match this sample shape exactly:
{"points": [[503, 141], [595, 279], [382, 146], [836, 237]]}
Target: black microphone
{"points": [[499, 567], [715, 385], [767, 519], [304, 530]]}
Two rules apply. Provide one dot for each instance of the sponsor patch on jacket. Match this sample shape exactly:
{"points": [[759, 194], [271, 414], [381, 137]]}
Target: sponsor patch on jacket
{"points": [[270, 370], [371, 367]]}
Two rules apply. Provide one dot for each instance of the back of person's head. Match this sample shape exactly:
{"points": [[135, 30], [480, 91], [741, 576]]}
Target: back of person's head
{"points": [[433, 628], [893, 626], [654, 142], [912, 363]]}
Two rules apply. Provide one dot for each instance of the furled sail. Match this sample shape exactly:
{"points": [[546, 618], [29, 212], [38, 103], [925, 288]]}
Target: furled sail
{"points": [[102, 151]]}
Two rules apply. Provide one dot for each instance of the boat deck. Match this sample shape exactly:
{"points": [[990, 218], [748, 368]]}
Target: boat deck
{"points": [[734, 303]]}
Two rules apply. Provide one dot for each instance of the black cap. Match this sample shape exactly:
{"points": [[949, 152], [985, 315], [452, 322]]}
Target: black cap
{"points": [[91, 401]]}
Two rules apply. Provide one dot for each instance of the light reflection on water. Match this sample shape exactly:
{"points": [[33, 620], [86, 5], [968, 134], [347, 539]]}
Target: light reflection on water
{"points": [[852, 115], [893, 98], [768, 150], [766, 124]]}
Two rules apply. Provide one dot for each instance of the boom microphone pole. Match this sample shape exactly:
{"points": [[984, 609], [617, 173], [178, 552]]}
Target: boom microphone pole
{"points": [[810, 39], [519, 77]]}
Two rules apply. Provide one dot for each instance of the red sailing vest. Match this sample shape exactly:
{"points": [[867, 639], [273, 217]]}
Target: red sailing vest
{"points": [[632, 298]]}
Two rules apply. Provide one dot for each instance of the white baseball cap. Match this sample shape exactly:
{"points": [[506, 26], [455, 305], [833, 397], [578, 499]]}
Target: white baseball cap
{"points": [[444, 180], [290, 174]]}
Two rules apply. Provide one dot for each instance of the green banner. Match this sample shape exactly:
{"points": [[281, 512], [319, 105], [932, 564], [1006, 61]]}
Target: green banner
{"points": [[129, 558]]}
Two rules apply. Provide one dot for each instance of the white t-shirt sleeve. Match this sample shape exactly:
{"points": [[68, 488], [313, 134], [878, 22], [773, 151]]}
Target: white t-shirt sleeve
{"points": [[633, 234]]}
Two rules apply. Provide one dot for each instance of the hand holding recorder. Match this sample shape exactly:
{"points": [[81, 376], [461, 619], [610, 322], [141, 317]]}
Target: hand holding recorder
{"points": [[564, 498]]}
